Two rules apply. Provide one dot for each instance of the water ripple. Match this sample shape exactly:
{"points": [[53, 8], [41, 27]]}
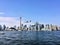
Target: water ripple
{"points": [[29, 38]]}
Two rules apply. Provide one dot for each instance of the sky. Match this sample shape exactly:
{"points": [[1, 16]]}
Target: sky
{"points": [[42, 11]]}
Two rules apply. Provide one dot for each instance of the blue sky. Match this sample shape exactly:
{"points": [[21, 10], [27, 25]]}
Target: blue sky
{"points": [[43, 11]]}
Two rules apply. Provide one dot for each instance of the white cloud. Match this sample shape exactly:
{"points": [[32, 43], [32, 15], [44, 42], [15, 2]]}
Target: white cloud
{"points": [[9, 21]]}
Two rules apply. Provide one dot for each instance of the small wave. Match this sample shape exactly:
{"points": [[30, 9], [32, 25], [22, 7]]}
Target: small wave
{"points": [[2, 33]]}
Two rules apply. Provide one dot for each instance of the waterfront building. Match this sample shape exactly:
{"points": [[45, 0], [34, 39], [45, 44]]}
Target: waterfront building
{"points": [[54, 27], [25, 27], [44, 29], [36, 24], [0, 27], [22, 26], [39, 27], [47, 27], [18, 28], [59, 28], [12, 28], [50, 27], [29, 27], [7, 28], [33, 27], [3, 27], [15, 27]]}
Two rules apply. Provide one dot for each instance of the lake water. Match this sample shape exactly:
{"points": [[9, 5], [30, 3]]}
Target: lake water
{"points": [[29, 37]]}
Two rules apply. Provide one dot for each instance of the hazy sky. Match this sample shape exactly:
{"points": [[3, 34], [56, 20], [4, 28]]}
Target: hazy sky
{"points": [[43, 11]]}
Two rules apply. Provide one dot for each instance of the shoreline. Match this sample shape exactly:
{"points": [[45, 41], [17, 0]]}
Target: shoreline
{"points": [[31, 30]]}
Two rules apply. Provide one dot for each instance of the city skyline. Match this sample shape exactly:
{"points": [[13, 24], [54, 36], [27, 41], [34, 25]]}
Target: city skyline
{"points": [[42, 11]]}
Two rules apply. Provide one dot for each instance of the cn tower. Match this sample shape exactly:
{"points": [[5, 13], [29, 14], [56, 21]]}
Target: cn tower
{"points": [[20, 23]]}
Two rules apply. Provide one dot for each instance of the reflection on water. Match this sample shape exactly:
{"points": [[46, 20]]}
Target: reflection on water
{"points": [[29, 37]]}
